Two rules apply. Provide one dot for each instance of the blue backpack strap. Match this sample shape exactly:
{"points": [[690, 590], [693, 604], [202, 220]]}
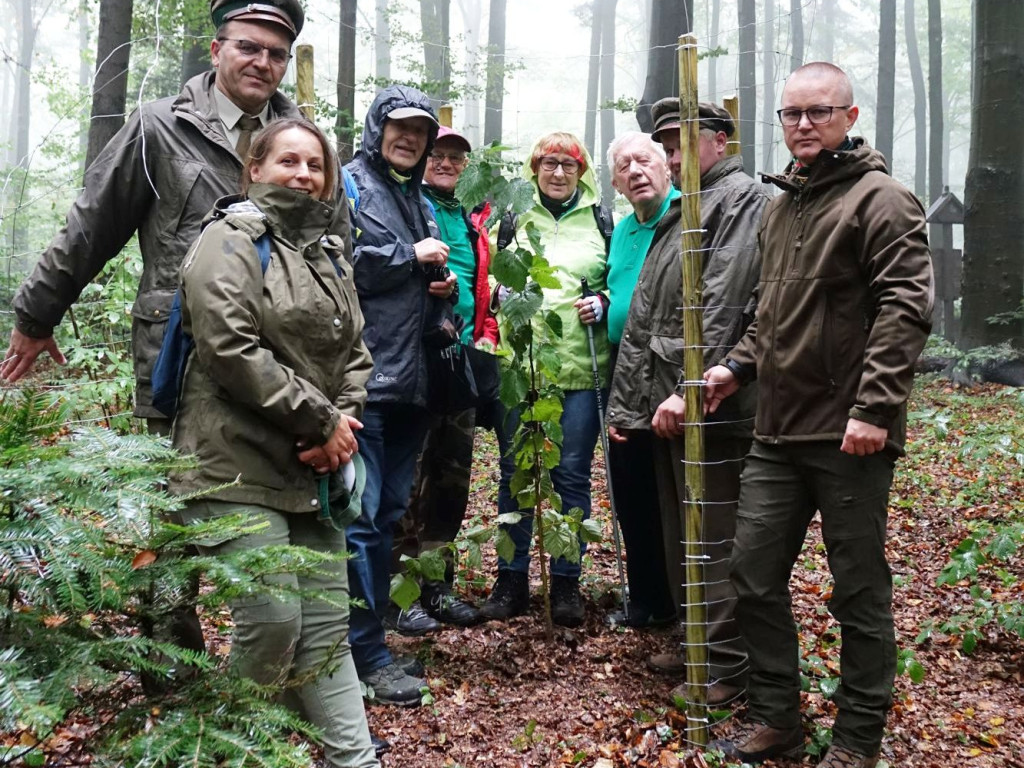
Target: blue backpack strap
{"points": [[176, 348], [351, 190]]}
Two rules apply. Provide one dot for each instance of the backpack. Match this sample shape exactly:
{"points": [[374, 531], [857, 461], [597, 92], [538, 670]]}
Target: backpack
{"points": [[169, 370], [602, 217]]}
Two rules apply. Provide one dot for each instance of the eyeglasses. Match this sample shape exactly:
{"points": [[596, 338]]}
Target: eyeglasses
{"points": [[569, 167], [818, 115], [251, 50], [455, 158]]}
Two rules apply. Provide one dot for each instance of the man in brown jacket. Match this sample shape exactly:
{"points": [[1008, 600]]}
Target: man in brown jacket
{"points": [[159, 176], [844, 311]]}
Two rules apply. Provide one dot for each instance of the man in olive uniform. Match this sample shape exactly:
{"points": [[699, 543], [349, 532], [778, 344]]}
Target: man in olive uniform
{"points": [[844, 310]]}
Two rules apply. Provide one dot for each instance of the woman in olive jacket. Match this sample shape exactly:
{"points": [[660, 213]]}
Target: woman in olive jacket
{"points": [[271, 396]]}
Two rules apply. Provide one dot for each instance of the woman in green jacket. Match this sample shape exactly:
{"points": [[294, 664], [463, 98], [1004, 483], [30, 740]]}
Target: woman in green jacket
{"points": [[271, 396], [565, 213]]}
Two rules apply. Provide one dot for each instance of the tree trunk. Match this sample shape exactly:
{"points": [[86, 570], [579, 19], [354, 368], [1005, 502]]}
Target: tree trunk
{"points": [[471, 24], [343, 124], [796, 27], [768, 78], [434, 17], [382, 44], [669, 20], [716, 23], [886, 79], [110, 86], [828, 22], [593, 77], [936, 110], [495, 72], [993, 276], [920, 100], [22, 114], [747, 13], [195, 53], [607, 94], [84, 72]]}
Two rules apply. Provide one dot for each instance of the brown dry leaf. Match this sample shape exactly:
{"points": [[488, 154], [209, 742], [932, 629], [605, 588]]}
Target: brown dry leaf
{"points": [[144, 558], [54, 621], [668, 759], [603, 762]]}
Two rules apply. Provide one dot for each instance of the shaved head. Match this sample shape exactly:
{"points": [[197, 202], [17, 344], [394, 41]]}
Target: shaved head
{"points": [[823, 70]]}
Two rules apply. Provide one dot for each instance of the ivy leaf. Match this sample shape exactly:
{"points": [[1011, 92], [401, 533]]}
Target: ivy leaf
{"points": [[828, 686]]}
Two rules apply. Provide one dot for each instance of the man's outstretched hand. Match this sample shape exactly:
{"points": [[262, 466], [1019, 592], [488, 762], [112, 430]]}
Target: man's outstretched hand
{"points": [[22, 353]]}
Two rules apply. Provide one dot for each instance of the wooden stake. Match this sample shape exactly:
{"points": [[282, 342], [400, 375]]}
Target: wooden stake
{"points": [[732, 106], [693, 370], [304, 79]]}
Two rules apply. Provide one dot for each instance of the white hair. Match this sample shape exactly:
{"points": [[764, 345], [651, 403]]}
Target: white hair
{"points": [[629, 137]]}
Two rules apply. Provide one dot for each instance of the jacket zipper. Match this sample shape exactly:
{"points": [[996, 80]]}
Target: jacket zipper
{"points": [[799, 200]]}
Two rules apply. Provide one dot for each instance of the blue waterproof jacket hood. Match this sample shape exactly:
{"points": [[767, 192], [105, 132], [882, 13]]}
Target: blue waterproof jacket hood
{"points": [[391, 98]]}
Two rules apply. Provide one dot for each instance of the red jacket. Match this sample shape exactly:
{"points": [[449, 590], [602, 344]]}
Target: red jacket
{"points": [[485, 324]]}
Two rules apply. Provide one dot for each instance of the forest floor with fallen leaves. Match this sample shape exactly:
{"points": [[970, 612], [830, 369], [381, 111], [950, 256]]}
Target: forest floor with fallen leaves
{"points": [[503, 695]]}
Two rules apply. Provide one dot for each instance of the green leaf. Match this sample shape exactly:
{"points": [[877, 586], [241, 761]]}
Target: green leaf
{"points": [[513, 388], [522, 195], [511, 268], [404, 590], [504, 546], [509, 518], [546, 409], [534, 238], [479, 534], [432, 564], [591, 531], [520, 307], [553, 321], [915, 670], [828, 686]]}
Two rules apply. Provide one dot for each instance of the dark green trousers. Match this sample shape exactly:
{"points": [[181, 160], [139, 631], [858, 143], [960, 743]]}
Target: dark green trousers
{"points": [[723, 457], [781, 489]]}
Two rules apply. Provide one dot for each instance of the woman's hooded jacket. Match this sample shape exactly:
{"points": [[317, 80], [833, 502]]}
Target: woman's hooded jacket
{"points": [[389, 219], [278, 354], [575, 247]]}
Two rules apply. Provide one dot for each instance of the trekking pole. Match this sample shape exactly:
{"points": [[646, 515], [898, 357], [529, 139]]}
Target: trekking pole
{"points": [[604, 444]]}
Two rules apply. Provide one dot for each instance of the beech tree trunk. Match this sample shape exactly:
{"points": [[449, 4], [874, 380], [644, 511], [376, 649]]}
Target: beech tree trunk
{"points": [[84, 72], [993, 276], [768, 78], [21, 116], [827, 28], [495, 72], [886, 79], [381, 44], [607, 94], [747, 13], [110, 86], [346, 85], [593, 78], [920, 100], [936, 108], [796, 28], [669, 20], [435, 19], [716, 23], [471, 16]]}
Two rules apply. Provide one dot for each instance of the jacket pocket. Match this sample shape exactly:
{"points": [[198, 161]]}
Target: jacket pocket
{"points": [[149, 319], [666, 364]]}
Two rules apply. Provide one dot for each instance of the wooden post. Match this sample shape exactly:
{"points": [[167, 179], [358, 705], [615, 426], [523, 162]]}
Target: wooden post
{"points": [[444, 115], [693, 371], [732, 106], [304, 79]]}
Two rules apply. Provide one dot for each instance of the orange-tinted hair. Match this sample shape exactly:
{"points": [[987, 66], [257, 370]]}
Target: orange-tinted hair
{"points": [[556, 142]]}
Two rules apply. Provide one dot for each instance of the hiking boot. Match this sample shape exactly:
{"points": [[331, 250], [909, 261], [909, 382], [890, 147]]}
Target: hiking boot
{"points": [[720, 693], [391, 685], [509, 597], [566, 603], [446, 607], [639, 617], [841, 757], [667, 663], [412, 622], [409, 664], [380, 746], [754, 742]]}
